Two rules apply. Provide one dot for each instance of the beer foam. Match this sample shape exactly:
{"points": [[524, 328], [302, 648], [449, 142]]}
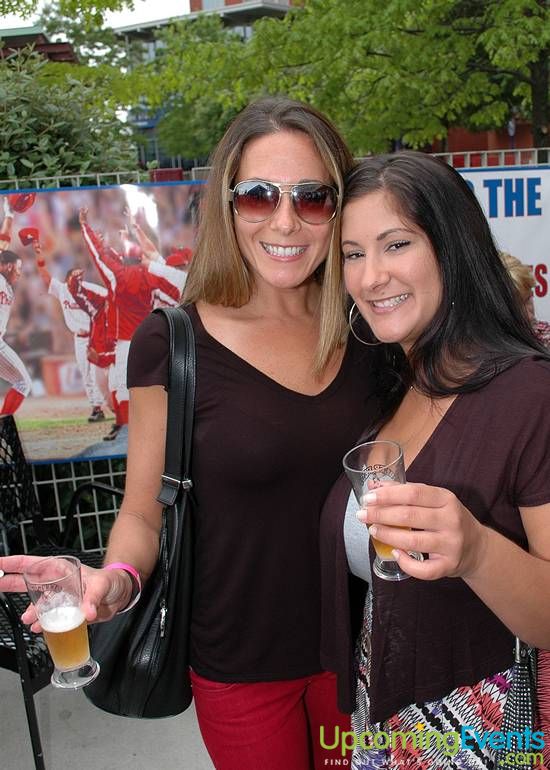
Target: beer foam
{"points": [[61, 619]]}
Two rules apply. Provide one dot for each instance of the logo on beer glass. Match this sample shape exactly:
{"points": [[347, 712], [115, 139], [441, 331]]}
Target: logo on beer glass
{"points": [[374, 475]]}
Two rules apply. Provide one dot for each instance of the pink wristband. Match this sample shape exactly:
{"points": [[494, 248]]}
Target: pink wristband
{"points": [[136, 581]]}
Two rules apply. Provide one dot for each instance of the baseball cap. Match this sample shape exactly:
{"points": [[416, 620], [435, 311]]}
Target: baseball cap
{"points": [[179, 257], [28, 234], [20, 202]]}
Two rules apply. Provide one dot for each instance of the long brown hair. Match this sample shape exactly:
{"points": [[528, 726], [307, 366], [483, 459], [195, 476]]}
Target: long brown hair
{"points": [[219, 275]]}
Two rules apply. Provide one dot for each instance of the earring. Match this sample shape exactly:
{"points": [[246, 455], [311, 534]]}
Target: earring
{"points": [[350, 323]]}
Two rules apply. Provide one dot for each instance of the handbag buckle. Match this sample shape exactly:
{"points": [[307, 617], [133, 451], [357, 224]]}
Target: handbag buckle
{"points": [[170, 481], [169, 489]]}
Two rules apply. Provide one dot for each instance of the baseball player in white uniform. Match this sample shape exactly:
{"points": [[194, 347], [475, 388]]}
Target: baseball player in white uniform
{"points": [[12, 367], [7, 224], [173, 269], [77, 322]]}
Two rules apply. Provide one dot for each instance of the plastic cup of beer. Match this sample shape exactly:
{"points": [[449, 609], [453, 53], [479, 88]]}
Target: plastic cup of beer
{"points": [[54, 585], [370, 465]]}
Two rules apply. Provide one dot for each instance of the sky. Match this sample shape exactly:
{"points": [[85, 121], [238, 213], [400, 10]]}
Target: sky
{"points": [[144, 10]]}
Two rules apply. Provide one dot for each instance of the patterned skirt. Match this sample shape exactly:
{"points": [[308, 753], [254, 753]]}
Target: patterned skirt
{"points": [[432, 740]]}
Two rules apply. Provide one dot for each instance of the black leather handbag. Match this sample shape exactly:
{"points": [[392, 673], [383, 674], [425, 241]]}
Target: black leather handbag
{"points": [[143, 653]]}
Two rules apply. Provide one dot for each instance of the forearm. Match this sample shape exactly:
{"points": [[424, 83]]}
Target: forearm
{"points": [[105, 266], [133, 540], [43, 272], [6, 228], [134, 537], [145, 242], [515, 585]]}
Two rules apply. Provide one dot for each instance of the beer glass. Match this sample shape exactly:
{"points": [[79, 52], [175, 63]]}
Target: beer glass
{"points": [[370, 465], [54, 585]]}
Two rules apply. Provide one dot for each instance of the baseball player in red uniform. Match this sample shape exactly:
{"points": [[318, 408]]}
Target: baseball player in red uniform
{"points": [[78, 323], [130, 289], [94, 301]]}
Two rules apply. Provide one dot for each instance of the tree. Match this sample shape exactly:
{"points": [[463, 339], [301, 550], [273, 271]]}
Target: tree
{"points": [[404, 70], [86, 11], [55, 127], [192, 129], [193, 118], [94, 44], [399, 70], [410, 69]]}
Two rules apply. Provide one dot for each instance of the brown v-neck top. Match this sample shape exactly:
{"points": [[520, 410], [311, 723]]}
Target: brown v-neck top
{"points": [[492, 449], [264, 459]]}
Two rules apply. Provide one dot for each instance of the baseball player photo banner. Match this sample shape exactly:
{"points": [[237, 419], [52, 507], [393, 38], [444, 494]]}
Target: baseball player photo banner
{"points": [[79, 270]]}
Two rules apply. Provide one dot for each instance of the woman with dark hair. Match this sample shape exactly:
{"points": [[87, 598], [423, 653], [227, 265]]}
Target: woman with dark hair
{"points": [[275, 372], [465, 390]]}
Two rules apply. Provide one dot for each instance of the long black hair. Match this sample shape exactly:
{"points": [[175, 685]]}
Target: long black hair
{"points": [[480, 327]]}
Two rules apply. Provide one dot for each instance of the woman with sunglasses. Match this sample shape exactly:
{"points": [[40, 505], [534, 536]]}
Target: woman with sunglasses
{"points": [[465, 391], [276, 408]]}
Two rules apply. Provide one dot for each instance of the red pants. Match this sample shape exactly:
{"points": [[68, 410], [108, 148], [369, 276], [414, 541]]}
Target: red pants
{"points": [[269, 725]]}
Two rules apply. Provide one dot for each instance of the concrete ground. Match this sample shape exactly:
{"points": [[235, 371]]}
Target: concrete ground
{"points": [[76, 735]]}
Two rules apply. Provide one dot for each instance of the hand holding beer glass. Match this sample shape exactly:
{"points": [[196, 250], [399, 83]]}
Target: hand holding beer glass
{"points": [[54, 585], [371, 465]]}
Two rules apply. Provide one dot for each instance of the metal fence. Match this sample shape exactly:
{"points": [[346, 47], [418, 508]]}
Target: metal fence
{"points": [[480, 158], [463, 159], [136, 176], [54, 484]]}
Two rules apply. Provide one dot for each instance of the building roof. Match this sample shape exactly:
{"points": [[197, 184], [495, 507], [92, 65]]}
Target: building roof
{"points": [[241, 14], [20, 31], [17, 38]]}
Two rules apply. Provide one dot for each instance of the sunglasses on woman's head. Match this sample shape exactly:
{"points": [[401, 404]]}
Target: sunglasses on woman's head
{"points": [[255, 200]]}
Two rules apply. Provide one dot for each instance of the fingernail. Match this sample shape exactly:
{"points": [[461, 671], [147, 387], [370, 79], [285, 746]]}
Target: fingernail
{"points": [[395, 554], [372, 530], [369, 497], [361, 514]]}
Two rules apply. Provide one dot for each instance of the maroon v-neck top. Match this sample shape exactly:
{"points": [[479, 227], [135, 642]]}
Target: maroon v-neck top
{"points": [[492, 449], [264, 460]]}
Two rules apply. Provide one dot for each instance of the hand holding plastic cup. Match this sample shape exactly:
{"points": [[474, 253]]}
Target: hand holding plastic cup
{"points": [[370, 465], [54, 585]]}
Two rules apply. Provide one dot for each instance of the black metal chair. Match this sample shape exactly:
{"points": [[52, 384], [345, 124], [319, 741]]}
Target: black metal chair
{"points": [[22, 651]]}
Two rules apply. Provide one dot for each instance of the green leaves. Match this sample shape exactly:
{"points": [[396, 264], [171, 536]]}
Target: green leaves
{"points": [[398, 70], [56, 125], [86, 11], [24, 8], [93, 43]]}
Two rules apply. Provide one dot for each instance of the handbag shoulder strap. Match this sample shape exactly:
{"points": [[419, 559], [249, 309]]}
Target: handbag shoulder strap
{"points": [[181, 405]]}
